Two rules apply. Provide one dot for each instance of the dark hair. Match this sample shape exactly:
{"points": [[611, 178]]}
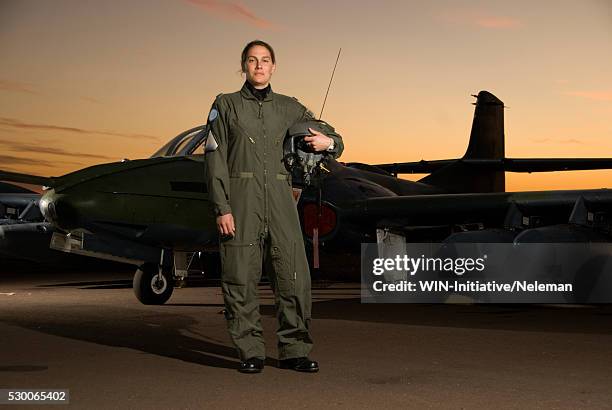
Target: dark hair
{"points": [[245, 50]]}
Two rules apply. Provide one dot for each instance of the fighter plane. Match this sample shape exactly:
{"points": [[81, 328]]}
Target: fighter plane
{"points": [[155, 213]]}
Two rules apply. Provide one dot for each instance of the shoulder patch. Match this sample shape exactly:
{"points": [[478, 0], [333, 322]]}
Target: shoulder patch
{"points": [[212, 115]]}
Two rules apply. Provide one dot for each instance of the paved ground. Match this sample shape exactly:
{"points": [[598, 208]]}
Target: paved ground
{"points": [[87, 333]]}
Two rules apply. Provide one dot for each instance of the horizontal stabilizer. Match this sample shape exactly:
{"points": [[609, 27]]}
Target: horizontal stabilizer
{"points": [[417, 167], [556, 164], [26, 178], [504, 164]]}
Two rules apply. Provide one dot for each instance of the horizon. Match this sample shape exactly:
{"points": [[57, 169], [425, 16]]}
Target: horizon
{"points": [[87, 83]]}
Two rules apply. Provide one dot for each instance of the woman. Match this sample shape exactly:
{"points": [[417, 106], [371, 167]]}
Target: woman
{"points": [[256, 214]]}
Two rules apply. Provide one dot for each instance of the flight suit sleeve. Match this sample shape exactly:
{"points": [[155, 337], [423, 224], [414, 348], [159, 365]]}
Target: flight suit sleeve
{"points": [[216, 161], [327, 130]]}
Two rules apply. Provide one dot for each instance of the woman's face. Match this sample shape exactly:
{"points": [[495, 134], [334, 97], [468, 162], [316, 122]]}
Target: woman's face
{"points": [[259, 66]]}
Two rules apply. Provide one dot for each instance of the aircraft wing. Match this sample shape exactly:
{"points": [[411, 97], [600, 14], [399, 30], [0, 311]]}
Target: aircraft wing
{"points": [[472, 207], [6, 188], [26, 178], [505, 164]]}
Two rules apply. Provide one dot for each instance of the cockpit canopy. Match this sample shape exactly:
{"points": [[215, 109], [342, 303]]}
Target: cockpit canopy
{"points": [[186, 143]]}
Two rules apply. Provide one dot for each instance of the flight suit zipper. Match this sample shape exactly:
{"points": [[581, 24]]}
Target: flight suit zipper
{"points": [[265, 169]]}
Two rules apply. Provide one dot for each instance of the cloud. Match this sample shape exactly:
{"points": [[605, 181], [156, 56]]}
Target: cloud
{"points": [[11, 160], [13, 123], [17, 86], [557, 141], [233, 11], [42, 149], [592, 95], [29, 88], [480, 19]]}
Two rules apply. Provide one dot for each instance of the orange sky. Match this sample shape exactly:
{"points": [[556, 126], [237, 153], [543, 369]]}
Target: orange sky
{"points": [[85, 82]]}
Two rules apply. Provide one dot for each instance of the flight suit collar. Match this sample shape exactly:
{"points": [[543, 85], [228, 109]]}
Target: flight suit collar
{"points": [[246, 93]]}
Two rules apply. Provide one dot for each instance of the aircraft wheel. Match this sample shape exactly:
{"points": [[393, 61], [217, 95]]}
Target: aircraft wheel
{"points": [[150, 288]]}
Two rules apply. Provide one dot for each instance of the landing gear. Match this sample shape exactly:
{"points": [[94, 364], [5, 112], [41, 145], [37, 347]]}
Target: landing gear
{"points": [[151, 286]]}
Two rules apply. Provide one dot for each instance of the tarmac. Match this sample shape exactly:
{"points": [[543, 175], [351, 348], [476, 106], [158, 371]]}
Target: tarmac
{"points": [[86, 332]]}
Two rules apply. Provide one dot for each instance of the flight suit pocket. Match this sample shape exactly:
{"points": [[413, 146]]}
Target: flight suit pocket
{"points": [[239, 261], [283, 262], [239, 131], [239, 274]]}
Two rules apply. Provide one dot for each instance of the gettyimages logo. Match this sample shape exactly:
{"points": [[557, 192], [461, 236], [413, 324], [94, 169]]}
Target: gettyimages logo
{"points": [[410, 265], [486, 273]]}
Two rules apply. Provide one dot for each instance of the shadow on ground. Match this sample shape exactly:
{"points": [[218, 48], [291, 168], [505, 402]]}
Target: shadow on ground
{"points": [[162, 334]]}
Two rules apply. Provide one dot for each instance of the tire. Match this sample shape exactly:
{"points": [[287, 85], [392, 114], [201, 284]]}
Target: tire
{"points": [[148, 289]]}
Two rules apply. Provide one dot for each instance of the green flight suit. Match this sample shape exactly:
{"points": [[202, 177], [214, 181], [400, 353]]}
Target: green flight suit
{"points": [[247, 178]]}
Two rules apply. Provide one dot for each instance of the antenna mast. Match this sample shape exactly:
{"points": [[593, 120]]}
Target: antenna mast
{"points": [[330, 83]]}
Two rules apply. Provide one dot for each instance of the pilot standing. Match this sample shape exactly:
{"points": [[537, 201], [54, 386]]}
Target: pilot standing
{"points": [[256, 213]]}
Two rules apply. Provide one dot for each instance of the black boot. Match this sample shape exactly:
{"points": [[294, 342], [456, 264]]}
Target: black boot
{"points": [[252, 365], [300, 364]]}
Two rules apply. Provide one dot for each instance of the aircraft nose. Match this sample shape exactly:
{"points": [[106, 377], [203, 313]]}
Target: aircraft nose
{"points": [[47, 207], [57, 210]]}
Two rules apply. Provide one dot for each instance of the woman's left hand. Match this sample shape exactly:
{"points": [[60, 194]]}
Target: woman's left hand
{"points": [[318, 141]]}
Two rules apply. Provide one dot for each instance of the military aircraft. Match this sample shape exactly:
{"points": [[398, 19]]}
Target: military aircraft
{"points": [[155, 213]]}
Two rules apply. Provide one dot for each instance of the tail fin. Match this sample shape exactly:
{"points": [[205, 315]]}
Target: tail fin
{"points": [[486, 142]]}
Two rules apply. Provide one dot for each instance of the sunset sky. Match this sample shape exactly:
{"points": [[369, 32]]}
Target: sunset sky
{"points": [[84, 82]]}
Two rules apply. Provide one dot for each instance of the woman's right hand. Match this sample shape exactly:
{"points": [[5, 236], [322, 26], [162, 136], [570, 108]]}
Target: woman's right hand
{"points": [[225, 225]]}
